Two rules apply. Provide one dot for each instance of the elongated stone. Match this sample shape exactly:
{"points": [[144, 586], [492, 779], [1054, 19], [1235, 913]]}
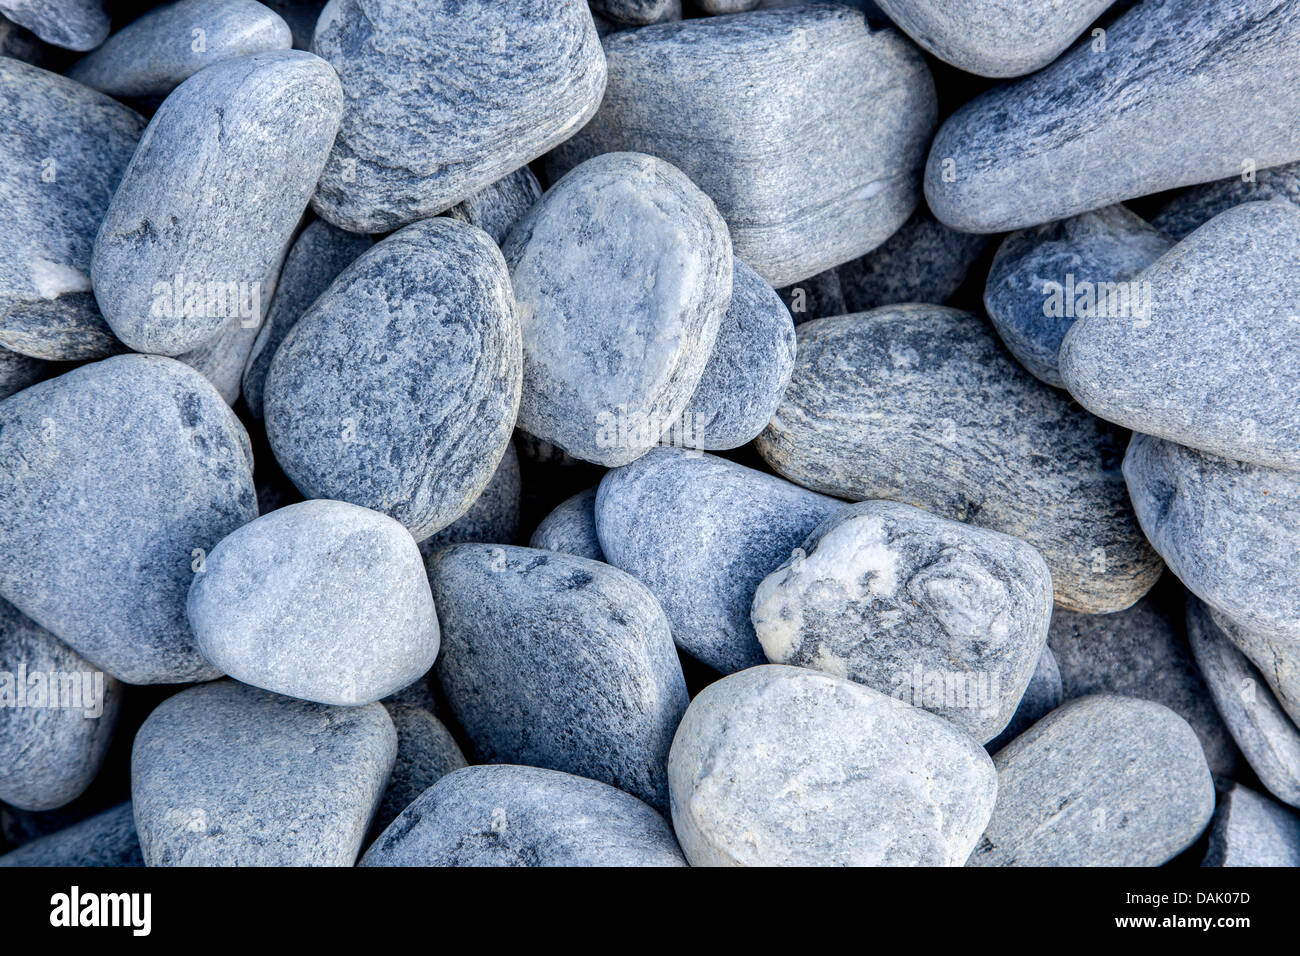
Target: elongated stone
{"points": [[1186, 213], [732, 101], [117, 478], [571, 528], [1251, 830], [19, 371], [398, 389], [106, 839], [71, 24], [496, 208], [1277, 658], [1184, 69], [1041, 697], [167, 262], [447, 98], [493, 518], [426, 752], [921, 404]]}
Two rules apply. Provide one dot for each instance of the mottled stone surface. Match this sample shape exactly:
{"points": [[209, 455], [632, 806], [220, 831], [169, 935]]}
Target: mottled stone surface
{"points": [[623, 273], [701, 533], [921, 404], [115, 478], [807, 127], [63, 148], [1160, 107], [571, 528], [19, 371], [1041, 697], [781, 766], [939, 614], [229, 775], [1044, 279], [496, 208], [1186, 213], [242, 144], [1278, 660], [524, 816], [426, 752], [556, 661], [1251, 830], [493, 518], [397, 390], [106, 839], [446, 98], [71, 24], [1101, 781]]}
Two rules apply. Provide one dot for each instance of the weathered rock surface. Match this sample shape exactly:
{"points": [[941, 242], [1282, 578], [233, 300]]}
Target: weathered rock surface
{"points": [[1277, 658], [1041, 697], [1186, 213], [71, 24], [19, 371], [426, 752], [106, 839], [496, 208], [1252, 830], [493, 518], [571, 528]]}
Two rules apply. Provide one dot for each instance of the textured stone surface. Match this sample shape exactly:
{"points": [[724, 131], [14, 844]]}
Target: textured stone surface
{"points": [[1194, 208], [240, 146], [1160, 107], [62, 151], [701, 533], [1252, 830], [229, 775], [21, 44], [398, 388], [1277, 658], [115, 478], [734, 103], [446, 98], [19, 371], [1102, 781], [921, 404], [321, 600], [496, 208], [106, 839], [556, 661], [71, 24], [571, 528], [781, 766], [939, 614], [426, 752], [1041, 697], [523, 816], [638, 12], [1045, 278], [493, 518], [623, 274], [301, 15]]}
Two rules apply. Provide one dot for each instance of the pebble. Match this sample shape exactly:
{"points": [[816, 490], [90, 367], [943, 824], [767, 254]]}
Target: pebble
{"points": [[524, 816], [1043, 695], [229, 775], [106, 839], [19, 371], [921, 404], [638, 12], [21, 44], [70, 24], [497, 208], [493, 518], [426, 752], [1252, 830], [1278, 660], [815, 298], [571, 528], [1186, 213]]}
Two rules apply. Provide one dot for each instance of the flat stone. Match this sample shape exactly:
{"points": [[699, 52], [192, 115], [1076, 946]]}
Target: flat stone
{"points": [[63, 149], [921, 404], [19, 371], [556, 661], [1041, 697], [1277, 658], [426, 752], [1101, 781], [70, 24], [701, 533], [446, 99], [106, 839], [623, 273], [229, 775], [731, 102], [1043, 279], [814, 298], [781, 766], [322, 600], [398, 389], [493, 518], [169, 263], [117, 479], [942, 615], [1160, 107], [571, 528], [1251, 830], [496, 208], [524, 816], [1186, 213]]}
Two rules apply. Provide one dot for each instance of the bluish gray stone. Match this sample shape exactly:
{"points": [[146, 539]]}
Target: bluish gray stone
{"points": [[1045, 278], [19, 371], [446, 98], [229, 775], [63, 148], [116, 479], [942, 615], [321, 600], [106, 839], [426, 752], [556, 661], [781, 766], [151, 56], [921, 404], [571, 528], [301, 15], [495, 209], [21, 44], [1251, 830], [807, 127], [638, 12], [1101, 781], [1041, 697], [524, 816], [398, 389], [701, 533], [493, 518], [1183, 93], [623, 273], [1277, 658], [173, 264], [1186, 213], [70, 24], [814, 298]]}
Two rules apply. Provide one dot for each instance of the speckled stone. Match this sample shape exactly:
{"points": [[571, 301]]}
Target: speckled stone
{"points": [[525, 816], [496, 208], [106, 839], [1277, 658], [623, 273], [151, 56], [243, 143], [426, 752], [115, 479], [493, 518], [1160, 107], [781, 766], [1041, 697], [446, 98], [938, 614], [229, 775], [571, 528], [921, 404], [70, 24], [63, 148], [701, 533], [733, 102], [556, 661], [1043, 279], [1101, 781], [1186, 213], [19, 371], [1250, 830], [638, 12], [814, 298], [398, 389]]}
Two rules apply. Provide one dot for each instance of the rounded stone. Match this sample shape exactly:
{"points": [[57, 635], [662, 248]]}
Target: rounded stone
{"points": [[426, 752], [571, 528], [104, 840], [493, 518], [1041, 697], [70, 24], [1251, 830]]}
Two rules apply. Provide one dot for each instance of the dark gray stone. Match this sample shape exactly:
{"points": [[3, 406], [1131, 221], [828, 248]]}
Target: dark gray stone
{"points": [[571, 528], [426, 752], [19, 371], [70, 24], [21, 44], [301, 15], [814, 298], [1186, 213], [496, 208], [1041, 697], [638, 12], [493, 518], [1251, 830], [107, 839]]}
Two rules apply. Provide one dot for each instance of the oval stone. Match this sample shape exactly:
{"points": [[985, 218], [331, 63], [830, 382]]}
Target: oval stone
{"points": [[71, 24], [571, 528], [1251, 830]]}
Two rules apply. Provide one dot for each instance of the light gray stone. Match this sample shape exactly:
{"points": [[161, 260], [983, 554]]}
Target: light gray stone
{"points": [[106, 839], [426, 752], [493, 518], [1277, 658], [1186, 213], [1041, 697], [571, 528], [496, 208], [1252, 830], [19, 371], [70, 24]]}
